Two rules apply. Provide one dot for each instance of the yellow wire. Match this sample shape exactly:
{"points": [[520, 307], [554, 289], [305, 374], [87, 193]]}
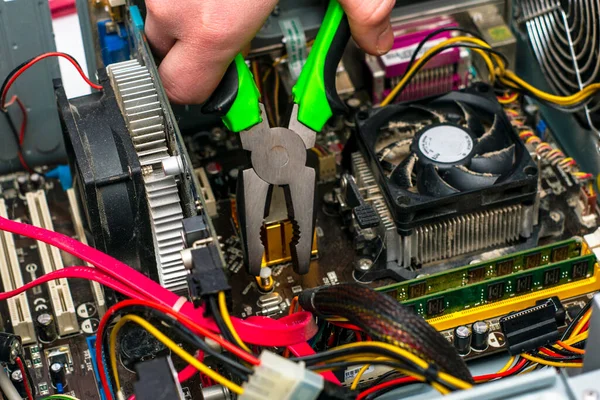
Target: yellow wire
{"points": [[576, 339], [361, 373], [227, 319], [171, 345], [508, 364], [409, 356], [581, 323], [551, 363], [507, 77], [421, 61]]}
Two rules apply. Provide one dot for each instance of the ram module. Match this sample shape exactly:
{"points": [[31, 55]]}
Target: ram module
{"points": [[501, 288], [484, 271]]}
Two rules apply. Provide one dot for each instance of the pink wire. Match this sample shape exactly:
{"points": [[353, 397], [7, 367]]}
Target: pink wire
{"points": [[263, 331], [76, 272], [304, 349]]}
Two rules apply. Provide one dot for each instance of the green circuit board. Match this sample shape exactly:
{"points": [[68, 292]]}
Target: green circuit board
{"points": [[501, 288], [485, 271]]}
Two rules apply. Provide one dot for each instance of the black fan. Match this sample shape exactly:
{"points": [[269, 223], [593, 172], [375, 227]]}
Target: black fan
{"points": [[445, 148]]}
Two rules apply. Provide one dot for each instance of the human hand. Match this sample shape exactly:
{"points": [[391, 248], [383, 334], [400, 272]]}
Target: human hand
{"points": [[198, 39]]}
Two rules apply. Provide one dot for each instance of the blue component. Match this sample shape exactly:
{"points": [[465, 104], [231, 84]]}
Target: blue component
{"points": [[59, 388], [114, 42], [91, 343], [541, 129], [63, 174], [136, 18]]}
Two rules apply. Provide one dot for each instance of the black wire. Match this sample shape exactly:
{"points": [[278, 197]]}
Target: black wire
{"points": [[385, 376], [18, 67], [326, 355], [450, 46], [345, 364], [184, 333], [13, 128], [546, 357], [413, 58], [575, 320], [216, 314]]}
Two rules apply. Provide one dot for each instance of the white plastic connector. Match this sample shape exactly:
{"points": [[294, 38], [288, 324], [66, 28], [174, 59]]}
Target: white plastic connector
{"points": [[279, 378]]}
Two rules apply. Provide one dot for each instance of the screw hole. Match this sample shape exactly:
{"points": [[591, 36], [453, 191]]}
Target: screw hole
{"points": [[530, 171]]}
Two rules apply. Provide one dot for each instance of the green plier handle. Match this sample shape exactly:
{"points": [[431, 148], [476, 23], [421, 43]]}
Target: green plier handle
{"points": [[236, 98]]}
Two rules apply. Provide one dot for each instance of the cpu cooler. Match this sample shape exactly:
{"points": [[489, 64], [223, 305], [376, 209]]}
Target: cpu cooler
{"points": [[453, 173]]}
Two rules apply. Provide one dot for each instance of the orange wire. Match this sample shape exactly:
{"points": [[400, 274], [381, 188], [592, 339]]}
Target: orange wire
{"points": [[570, 348]]}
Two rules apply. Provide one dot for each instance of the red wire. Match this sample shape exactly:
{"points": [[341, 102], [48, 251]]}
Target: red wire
{"points": [[37, 59], [506, 373], [549, 352], [393, 382], [25, 379], [167, 310], [23, 128], [264, 331], [75, 272]]}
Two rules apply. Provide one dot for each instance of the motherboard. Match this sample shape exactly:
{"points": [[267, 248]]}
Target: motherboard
{"points": [[422, 221]]}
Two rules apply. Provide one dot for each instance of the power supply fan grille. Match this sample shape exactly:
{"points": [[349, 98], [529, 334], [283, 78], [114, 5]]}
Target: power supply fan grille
{"points": [[565, 37], [444, 149]]}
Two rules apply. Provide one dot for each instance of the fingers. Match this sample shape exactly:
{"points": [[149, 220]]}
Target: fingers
{"points": [[190, 73], [160, 42], [370, 24]]}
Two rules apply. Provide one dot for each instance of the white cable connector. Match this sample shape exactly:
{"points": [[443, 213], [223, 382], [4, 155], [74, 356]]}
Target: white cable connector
{"points": [[279, 378]]}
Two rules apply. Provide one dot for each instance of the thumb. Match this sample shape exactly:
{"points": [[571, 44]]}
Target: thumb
{"points": [[370, 24]]}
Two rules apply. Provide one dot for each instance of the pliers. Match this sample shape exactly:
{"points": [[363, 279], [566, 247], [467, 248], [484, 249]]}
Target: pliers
{"points": [[278, 155]]}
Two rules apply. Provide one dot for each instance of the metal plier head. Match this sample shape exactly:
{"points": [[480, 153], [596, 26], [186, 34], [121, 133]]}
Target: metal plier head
{"points": [[278, 154]]}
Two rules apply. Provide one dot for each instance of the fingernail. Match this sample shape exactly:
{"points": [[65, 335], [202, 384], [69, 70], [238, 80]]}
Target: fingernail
{"points": [[385, 41]]}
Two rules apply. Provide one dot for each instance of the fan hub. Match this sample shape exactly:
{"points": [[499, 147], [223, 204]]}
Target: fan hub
{"points": [[444, 144]]}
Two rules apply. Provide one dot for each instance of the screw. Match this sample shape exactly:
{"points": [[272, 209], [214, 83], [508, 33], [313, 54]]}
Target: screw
{"points": [[554, 216], [365, 264]]}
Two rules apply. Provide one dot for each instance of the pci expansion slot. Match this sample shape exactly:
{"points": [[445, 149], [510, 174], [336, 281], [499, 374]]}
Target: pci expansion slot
{"points": [[60, 293], [79, 231], [499, 286], [10, 272]]}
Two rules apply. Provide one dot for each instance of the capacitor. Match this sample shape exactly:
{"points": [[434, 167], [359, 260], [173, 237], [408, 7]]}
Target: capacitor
{"points": [[214, 171], [10, 347], [462, 339], [232, 177], [36, 181], [58, 376], [46, 328], [23, 184], [216, 392], [481, 331], [18, 381]]}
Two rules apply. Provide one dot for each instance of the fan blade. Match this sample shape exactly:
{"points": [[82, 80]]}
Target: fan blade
{"points": [[497, 162], [473, 123], [429, 182], [491, 140], [401, 175], [440, 117], [465, 179]]}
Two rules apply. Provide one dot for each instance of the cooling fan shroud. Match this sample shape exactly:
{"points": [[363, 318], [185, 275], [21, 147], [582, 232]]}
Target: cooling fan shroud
{"points": [[448, 156], [453, 154]]}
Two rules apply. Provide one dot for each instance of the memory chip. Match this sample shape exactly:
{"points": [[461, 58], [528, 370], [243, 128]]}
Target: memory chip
{"points": [[417, 290], [476, 274], [505, 267], [523, 284], [552, 277], [579, 270], [560, 253], [436, 306], [532, 260], [495, 291]]}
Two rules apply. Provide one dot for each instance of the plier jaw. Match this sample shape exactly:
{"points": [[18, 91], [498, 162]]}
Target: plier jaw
{"points": [[278, 159], [279, 154]]}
